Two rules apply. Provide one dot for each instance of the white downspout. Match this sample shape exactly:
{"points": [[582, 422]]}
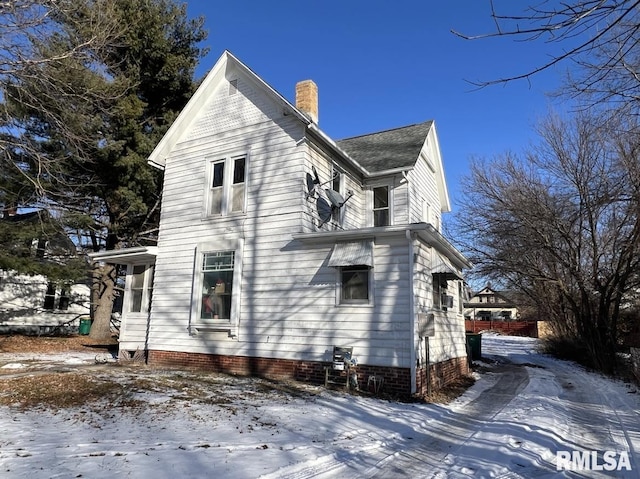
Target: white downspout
{"points": [[412, 316]]}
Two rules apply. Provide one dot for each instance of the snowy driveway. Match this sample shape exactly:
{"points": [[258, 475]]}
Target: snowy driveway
{"points": [[527, 409], [523, 410]]}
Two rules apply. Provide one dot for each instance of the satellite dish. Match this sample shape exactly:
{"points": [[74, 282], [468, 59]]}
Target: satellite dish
{"points": [[316, 178], [325, 210], [335, 198], [313, 180]]}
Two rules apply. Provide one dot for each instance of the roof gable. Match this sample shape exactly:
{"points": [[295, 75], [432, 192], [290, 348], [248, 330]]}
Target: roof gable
{"points": [[226, 65], [400, 148]]}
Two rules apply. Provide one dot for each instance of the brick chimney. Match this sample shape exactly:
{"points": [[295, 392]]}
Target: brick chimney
{"points": [[307, 98]]}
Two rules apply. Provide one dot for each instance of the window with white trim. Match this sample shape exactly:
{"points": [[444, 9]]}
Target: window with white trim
{"points": [[441, 300], [355, 284], [337, 184], [217, 285], [381, 206], [227, 180], [140, 287]]}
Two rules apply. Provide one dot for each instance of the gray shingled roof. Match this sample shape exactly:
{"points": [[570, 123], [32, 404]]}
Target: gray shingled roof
{"points": [[387, 150]]}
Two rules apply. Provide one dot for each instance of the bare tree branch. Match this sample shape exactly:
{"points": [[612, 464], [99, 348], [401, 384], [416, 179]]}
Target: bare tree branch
{"points": [[563, 224], [585, 26]]}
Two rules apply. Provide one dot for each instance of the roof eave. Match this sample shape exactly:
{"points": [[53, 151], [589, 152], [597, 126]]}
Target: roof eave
{"points": [[332, 145]]}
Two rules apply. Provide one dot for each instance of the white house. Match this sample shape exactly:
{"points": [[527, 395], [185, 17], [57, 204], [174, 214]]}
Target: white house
{"points": [[277, 244], [33, 304]]}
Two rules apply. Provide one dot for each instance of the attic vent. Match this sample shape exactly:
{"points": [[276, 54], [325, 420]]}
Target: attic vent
{"points": [[233, 87]]}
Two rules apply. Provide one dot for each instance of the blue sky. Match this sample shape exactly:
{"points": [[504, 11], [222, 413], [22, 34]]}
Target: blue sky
{"points": [[382, 64]]}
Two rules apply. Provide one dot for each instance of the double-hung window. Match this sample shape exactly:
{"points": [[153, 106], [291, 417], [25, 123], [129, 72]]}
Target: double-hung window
{"points": [[140, 287], [217, 286], [381, 206], [441, 300], [227, 190], [337, 184]]}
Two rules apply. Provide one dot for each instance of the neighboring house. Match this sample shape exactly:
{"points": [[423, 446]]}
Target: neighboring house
{"points": [[277, 243], [488, 304], [31, 303]]}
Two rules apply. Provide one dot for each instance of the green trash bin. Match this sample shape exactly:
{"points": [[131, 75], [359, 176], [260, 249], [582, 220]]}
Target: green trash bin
{"points": [[474, 345], [85, 326]]}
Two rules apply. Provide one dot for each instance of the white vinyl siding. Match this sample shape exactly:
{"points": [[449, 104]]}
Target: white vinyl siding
{"points": [[424, 200], [449, 339]]}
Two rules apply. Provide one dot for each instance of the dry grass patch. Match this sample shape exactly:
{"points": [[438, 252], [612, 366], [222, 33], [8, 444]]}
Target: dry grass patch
{"points": [[57, 390], [15, 343]]}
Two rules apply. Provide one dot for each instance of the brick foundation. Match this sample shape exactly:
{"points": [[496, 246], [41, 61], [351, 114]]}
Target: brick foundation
{"points": [[396, 381], [441, 374]]}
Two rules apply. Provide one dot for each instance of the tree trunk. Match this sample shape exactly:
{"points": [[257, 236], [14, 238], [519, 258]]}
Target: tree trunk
{"points": [[103, 294]]}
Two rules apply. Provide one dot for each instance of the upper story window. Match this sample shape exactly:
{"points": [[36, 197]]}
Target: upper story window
{"points": [[381, 208], [227, 192], [337, 184]]}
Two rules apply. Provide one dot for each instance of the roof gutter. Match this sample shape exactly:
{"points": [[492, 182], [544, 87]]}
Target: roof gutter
{"points": [[394, 171]]}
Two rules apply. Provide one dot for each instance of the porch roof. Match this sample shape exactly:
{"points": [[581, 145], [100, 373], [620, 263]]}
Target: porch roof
{"points": [[126, 255], [424, 231]]}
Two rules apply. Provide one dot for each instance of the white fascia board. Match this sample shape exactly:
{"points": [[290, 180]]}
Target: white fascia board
{"points": [[445, 203]]}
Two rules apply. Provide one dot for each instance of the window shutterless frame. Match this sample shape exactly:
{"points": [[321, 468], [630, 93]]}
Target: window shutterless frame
{"points": [[227, 179], [354, 286], [139, 287], [338, 179], [380, 204], [217, 285]]}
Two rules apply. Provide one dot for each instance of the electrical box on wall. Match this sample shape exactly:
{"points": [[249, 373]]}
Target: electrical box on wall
{"points": [[426, 325]]}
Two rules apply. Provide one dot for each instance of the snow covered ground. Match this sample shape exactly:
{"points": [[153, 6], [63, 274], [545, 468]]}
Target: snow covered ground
{"points": [[524, 412]]}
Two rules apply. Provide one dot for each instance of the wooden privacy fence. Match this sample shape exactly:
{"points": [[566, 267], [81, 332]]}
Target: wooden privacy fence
{"points": [[510, 328]]}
